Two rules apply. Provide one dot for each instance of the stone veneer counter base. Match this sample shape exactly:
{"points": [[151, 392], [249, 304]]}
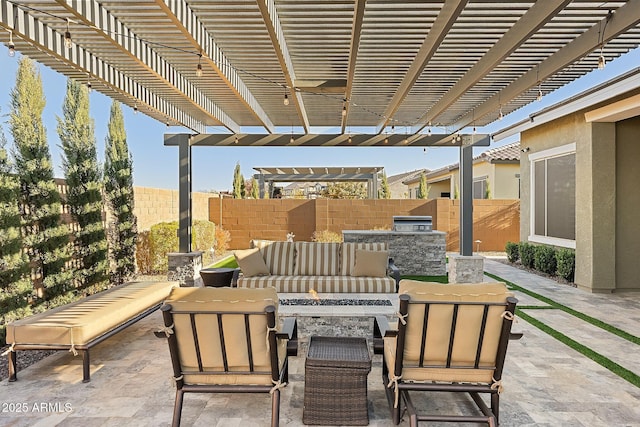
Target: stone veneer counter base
{"points": [[414, 253]]}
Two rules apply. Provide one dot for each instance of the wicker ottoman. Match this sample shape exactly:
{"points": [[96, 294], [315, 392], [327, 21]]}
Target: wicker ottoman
{"points": [[335, 384]]}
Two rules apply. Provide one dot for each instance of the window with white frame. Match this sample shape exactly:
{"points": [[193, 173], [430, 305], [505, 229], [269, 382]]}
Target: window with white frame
{"points": [[480, 188], [553, 196]]}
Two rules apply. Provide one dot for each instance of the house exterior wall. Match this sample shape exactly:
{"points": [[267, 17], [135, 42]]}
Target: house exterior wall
{"points": [[437, 188], [607, 201], [504, 183], [627, 204]]}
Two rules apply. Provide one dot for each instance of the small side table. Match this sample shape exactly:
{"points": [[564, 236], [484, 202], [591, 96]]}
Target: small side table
{"points": [[219, 277], [335, 384]]}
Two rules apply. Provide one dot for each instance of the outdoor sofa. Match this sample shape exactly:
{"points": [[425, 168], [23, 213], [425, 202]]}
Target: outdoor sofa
{"points": [[82, 324], [300, 267]]}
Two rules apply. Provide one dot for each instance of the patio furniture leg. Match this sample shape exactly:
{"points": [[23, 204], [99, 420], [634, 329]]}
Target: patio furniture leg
{"points": [[395, 412], [85, 366], [275, 408], [177, 409], [495, 406], [411, 410], [12, 366]]}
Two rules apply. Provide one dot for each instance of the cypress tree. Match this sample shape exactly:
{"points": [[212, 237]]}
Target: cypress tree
{"points": [[15, 289], [84, 197], [384, 192], [238, 183], [46, 239], [255, 190], [118, 186], [423, 190]]}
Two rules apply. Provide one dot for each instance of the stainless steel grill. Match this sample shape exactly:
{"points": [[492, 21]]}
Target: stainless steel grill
{"points": [[412, 223]]}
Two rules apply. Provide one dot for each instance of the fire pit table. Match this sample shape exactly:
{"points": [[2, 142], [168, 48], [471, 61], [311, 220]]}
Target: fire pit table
{"points": [[335, 385], [219, 277]]}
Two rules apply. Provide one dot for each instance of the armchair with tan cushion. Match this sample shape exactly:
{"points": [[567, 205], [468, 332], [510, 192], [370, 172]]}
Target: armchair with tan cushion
{"points": [[323, 267], [226, 340], [449, 337]]}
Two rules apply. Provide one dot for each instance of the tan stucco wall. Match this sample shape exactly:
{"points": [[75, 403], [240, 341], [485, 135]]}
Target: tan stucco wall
{"points": [[504, 183], [437, 188], [154, 205], [607, 197], [627, 204]]}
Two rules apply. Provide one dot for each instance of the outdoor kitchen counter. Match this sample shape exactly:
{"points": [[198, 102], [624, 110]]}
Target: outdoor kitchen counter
{"points": [[413, 252]]}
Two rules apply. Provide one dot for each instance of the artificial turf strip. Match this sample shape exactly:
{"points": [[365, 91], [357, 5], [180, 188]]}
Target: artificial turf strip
{"points": [[582, 349], [592, 320], [228, 262]]}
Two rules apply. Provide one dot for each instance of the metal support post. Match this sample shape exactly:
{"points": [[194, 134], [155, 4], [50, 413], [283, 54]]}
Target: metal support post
{"points": [[466, 200], [184, 189]]}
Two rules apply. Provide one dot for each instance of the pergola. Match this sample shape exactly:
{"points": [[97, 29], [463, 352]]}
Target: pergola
{"points": [[272, 72], [272, 175]]}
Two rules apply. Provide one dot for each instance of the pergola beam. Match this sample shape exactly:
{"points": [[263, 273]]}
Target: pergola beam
{"points": [[356, 32], [274, 28], [451, 10], [624, 18], [535, 18], [95, 16], [46, 40], [188, 23]]}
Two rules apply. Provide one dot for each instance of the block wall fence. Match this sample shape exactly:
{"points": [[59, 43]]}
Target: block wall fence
{"points": [[495, 221]]}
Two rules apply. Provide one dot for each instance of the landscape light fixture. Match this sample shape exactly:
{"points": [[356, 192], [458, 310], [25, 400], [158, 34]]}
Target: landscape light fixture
{"points": [[68, 43], [11, 46]]}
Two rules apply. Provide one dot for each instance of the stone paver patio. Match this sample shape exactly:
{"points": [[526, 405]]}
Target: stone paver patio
{"points": [[546, 382]]}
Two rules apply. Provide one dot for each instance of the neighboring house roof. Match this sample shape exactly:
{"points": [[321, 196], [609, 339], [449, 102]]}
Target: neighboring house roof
{"points": [[415, 175], [509, 153]]}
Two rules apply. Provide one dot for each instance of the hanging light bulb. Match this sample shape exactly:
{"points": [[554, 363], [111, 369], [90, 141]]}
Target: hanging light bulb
{"points": [[68, 43], [286, 99], [601, 59], [500, 115], [292, 139], [539, 97], [344, 108], [235, 141], [474, 130], [386, 140], [167, 122], [429, 132], [199, 70], [89, 87], [11, 46], [135, 108], [349, 140]]}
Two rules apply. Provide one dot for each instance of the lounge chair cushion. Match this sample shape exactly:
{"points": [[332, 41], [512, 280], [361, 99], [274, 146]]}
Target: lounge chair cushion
{"points": [[251, 262], [80, 322], [317, 259], [232, 300], [370, 263], [439, 330], [348, 255]]}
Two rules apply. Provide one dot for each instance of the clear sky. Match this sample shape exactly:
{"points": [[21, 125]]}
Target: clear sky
{"points": [[157, 166]]}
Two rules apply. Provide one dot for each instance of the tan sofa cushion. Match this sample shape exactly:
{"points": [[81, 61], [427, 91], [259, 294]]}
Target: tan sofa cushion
{"points": [[323, 284], [317, 259], [348, 254], [370, 263], [225, 300], [78, 323], [279, 257], [251, 262], [439, 329]]}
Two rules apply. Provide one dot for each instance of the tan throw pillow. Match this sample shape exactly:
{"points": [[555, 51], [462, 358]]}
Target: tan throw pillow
{"points": [[370, 263], [251, 262]]}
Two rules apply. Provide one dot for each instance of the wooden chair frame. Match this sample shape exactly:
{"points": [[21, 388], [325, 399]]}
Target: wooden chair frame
{"points": [[279, 376], [489, 415]]}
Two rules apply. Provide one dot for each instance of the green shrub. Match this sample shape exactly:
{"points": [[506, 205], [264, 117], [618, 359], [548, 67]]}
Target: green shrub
{"points": [[223, 237], [163, 240], [513, 251], [545, 259], [326, 236], [527, 254], [566, 264]]}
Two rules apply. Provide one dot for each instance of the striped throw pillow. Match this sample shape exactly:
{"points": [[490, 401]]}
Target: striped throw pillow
{"points": [[279, 257], [317, 259]]}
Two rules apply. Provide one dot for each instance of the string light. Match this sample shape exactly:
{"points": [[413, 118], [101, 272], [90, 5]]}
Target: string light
{"points": [[286, 99], [601, 59], [539, 97], [135, 108], [235, 141], [349, 140], [500, 115], [68, 43], [344, 108], [199, 66], [11, 46]]}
